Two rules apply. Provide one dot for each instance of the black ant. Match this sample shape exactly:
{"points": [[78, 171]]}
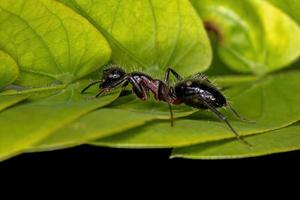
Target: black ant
{"points": [[197, 91]]}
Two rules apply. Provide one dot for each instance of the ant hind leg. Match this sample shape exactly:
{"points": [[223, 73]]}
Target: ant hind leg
{"points": [[224, 119], [238, 116]]}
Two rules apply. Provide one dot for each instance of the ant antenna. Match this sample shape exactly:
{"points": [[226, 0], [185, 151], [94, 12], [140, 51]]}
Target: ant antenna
{"points": [[87, 87]]}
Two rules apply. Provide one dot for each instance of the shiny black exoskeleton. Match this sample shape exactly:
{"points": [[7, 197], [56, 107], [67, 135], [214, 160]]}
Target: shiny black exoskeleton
{"points": [[196, 91]]}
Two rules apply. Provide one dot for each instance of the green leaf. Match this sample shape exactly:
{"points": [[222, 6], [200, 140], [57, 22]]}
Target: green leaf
{"points": [[8, 101], [272, 102], [254, 36], [282, 140], [290, 7], [8, 69], [50, 42], [130, 111], [127, 112], [152, 35], [25, 125]]}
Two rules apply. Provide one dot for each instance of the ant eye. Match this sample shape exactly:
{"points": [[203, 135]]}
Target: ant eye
{"points": [[114, 76]]}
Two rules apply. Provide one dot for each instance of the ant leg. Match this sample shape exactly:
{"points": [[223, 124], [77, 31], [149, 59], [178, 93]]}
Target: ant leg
{"points": [[224, 119], [138, 89], [171, 115], [238, 115], [167, 75], [99, 93], [112, 86], [87, 87], [125, 84], [163, 95]]}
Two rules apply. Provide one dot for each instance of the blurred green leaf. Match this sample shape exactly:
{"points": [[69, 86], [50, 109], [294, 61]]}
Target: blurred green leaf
{"points": [[8, 69], [282, 140], [152, 35], [25, 125], [49, 42], [257, 102], [7, 101], [253, 35], [290, 7]]}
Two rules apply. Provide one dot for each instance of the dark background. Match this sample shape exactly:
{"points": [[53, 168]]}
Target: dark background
{"points": [[111, 167], [97, 155]]}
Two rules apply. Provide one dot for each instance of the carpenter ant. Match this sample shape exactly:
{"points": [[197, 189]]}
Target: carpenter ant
{"points": [[196, 91]]}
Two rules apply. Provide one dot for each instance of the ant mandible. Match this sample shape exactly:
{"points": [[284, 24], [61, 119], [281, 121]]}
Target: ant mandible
{"points": [[196, 91]]}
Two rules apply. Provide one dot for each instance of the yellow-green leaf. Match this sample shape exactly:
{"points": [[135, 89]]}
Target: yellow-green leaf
{"points": [[151, 35], [49, 41], [282, 140], [8, 69], [25, 125], [272, 103], [254, 36]]}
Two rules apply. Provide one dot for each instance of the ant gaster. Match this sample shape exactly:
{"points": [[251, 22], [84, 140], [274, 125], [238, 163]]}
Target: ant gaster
{"points": [[197, 91]]}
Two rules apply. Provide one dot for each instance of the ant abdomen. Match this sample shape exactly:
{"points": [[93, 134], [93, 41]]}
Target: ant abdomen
{"points": [[198, 94]]}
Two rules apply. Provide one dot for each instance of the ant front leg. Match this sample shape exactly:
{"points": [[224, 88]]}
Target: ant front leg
{"points": [[139, 90], [175, 74], [113, 85]]}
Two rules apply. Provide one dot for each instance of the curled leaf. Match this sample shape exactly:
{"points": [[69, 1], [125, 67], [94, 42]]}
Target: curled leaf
{"points": [[254, 36]]}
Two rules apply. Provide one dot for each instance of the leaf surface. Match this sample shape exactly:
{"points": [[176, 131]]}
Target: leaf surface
{"points": [[25, 125], [282, 140], [126, 113], [50, 42], [151, 35], [290, 7], [9, 70], [256, 102]]}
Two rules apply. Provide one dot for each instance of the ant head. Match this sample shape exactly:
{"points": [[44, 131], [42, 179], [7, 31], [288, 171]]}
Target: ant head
{"points": [[111, 76]]}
